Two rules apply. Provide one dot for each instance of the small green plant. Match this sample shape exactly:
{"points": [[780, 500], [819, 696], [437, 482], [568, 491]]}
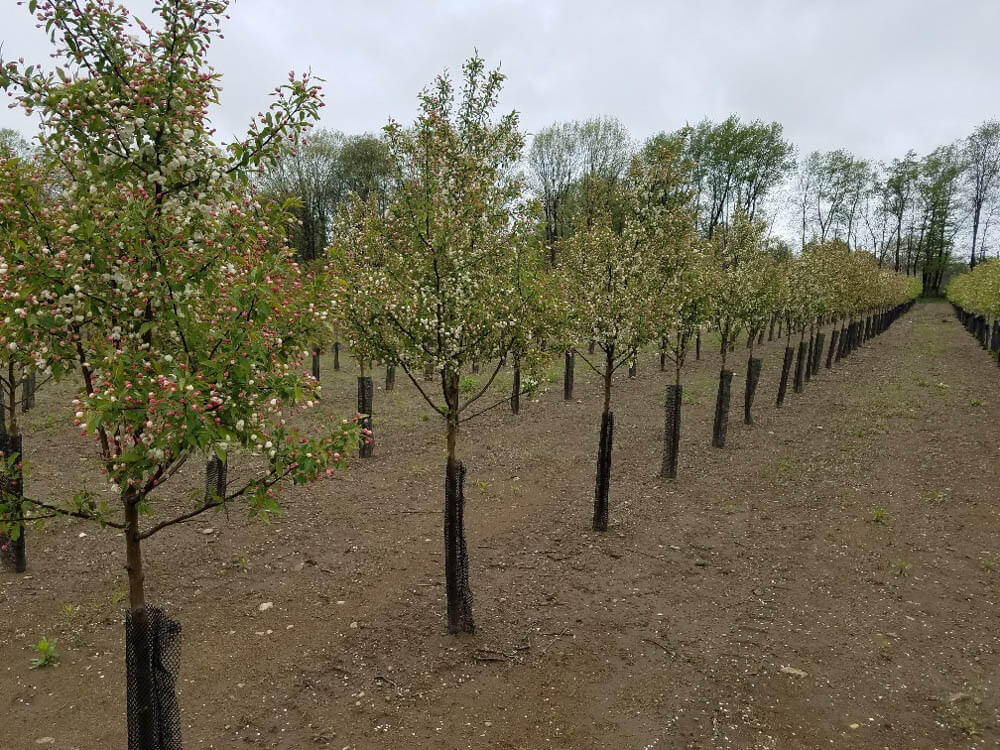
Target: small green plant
{"points": [[902, 568], [47, 656], [880, 516], [119, 595], [966, 725], [515, 488], [424, 417], [468, 384], [484, 486], [243, 563], [70, 611], [976, 402], [939, 496]]}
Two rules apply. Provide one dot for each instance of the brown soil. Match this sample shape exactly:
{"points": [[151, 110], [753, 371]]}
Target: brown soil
{"points": [[850, 534]]}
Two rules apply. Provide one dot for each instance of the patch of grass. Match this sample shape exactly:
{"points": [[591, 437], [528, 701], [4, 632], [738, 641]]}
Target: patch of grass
{"points": [[938, 497], [119, 595], [880, 516], [787, 467], [47, 656], [902, 569], [976, 402], [468, 383]]}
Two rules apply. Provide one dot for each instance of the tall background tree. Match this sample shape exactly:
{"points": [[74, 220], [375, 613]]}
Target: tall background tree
{"points": [[981, 153]]}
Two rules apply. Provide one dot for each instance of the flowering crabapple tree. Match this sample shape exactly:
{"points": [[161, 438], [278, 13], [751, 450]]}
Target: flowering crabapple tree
{"points": [[741, 263], [440, 269], [28, 310], [175, 286], [620, 276]]}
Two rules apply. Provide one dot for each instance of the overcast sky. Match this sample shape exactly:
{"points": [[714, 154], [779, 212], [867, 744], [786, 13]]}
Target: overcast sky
{"points": [[874, 76]]}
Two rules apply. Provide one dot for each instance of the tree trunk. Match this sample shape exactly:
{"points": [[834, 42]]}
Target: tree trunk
{"points": [[216, 478], [786, 367], [603, 482], [753, 377], [515, 391], [818, 352], [570, 360], [142, 709], [366, 394], [336, 355], [720, 427], [455, 551], [672, 431], [697, 345], [809, 357], [315, 363], [390, 377], [800, 366], [14, 546]]}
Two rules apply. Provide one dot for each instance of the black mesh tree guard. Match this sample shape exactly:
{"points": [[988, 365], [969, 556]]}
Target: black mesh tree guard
{"points": [[697, 344], [390, 377], [786, 368], [152, 663], [475, 368], [13, 548], [315, 364], [841, 334], [602, 484], [366, 392], [818, 352], [633, 369], [663, 353], [672, 432], [3, 413], [336, 355], [216, 477], [28, 391], [515, 391], [570, 364], [807, 374], [720, 426], [800, 361], [456, 555], [753, 377]]}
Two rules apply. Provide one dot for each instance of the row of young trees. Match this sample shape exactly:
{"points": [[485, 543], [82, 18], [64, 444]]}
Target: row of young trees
{"points": [[976, 298], [139, 256], [453, 272]]}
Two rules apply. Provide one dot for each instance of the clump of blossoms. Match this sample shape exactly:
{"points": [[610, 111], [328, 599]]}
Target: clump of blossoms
{"points": [[177, 292], [434, 282]]}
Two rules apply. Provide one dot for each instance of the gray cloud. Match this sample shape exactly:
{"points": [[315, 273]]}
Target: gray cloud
{"points": [[877, 78]]}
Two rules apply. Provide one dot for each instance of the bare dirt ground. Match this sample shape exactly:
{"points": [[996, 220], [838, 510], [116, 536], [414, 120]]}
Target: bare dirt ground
{"points": [[829, 579]]}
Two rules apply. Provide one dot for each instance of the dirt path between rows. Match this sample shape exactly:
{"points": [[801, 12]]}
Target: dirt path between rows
{"points": [[830, 579]]}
